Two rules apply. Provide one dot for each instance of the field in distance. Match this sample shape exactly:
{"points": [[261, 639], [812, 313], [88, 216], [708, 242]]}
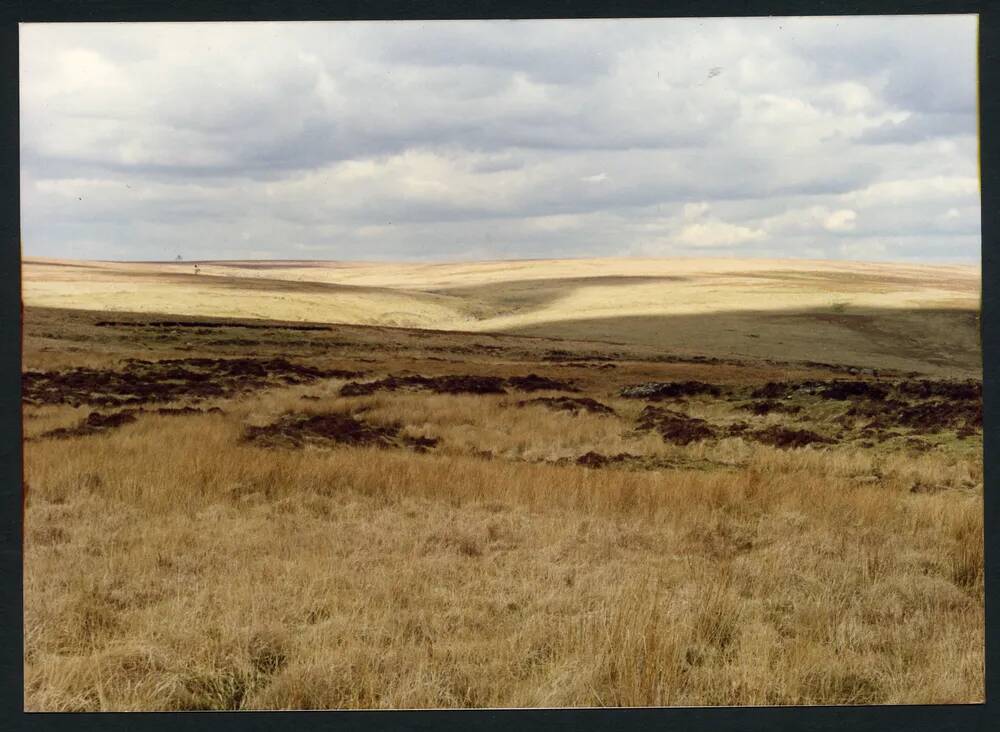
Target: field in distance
{"points": [[753, 483], [908, 317]]}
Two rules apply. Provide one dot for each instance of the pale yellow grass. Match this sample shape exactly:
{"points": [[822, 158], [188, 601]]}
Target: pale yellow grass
{"points": [[485, 291], [169, 566]]}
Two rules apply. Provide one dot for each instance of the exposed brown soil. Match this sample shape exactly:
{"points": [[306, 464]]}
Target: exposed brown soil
{"points": [[927, 417], [95, 422], [675, 427], [925, 389], [843, 389], [737, 429], [657, 390], [298, 430], [534, 382], [937, 415], [177, 411], [784, 389], [441, 384], [784, 437], [569, 404], [767, 406], [160, 381], [456, 384], [597, 460], [875, 409]]}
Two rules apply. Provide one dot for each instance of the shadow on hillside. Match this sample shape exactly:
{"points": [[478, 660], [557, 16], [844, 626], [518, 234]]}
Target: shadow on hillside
{"points": [[935, 341], [510, 296]]}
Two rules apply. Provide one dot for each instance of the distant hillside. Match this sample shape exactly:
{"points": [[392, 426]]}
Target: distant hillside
{"points": [[910, 317]]}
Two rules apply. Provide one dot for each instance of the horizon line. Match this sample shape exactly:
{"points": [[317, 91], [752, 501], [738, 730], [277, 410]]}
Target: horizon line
{"points": [[717, 257]]}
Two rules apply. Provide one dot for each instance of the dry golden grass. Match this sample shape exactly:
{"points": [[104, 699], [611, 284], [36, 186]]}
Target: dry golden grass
{"points": [[170, 566]]}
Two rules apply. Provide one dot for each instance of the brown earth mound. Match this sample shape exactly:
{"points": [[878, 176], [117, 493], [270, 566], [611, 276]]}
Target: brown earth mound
{"points": [[926, 417], [167, 380], [533, 382], [297, 430], [784, 389], [675, 427], [842, 390], [569, 404], [94, 423], [937, 415], [767, 406], [597, 460], [177, 411], [959, 390], [98, 422], [784, 437], [657, 390], [439, 384], [875, 409]]}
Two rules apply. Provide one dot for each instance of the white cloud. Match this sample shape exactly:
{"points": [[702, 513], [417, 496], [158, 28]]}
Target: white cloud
{"points": [[842, 220], [694, 210], [718, 233], [526, 138]]}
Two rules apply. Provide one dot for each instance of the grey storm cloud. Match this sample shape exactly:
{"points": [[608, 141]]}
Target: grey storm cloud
{"points": [[820, 137]]}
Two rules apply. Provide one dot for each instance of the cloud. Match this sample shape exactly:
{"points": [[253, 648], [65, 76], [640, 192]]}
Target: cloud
{"points": [[695, 210], [842, 220], [790, 136], [718, 233]]}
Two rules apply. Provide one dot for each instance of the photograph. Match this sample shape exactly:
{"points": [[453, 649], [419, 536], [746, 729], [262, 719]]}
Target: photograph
{"points": [[501, 364]]}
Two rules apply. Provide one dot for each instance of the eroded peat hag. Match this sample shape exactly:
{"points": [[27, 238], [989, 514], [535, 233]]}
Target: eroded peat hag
{"points": [[568, 404], [297, 430], [141, 381], [456, 384], [209, 530]]}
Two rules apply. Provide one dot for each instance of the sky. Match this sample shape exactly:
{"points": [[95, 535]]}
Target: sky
{"points": [[835, 138]]}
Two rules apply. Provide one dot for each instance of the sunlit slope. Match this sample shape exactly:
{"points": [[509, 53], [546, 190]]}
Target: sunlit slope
{"points": [[911, 317]]}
